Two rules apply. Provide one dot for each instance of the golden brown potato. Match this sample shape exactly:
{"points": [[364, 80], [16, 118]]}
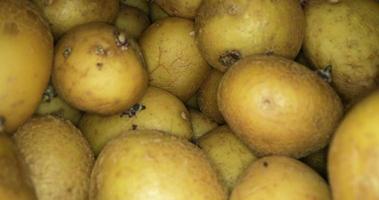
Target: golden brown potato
{"points": [[228, 30], [345, 36], [64, 15], [173, 59], [157, 110], [278, 107], [97, 70], [227, 153], [207, 96], [26, 55], [58, 157], [283, 178], [14, 181], [132, 21], [201, 124], [352, 159], [156, 12], [141, 165], [180, 8]]}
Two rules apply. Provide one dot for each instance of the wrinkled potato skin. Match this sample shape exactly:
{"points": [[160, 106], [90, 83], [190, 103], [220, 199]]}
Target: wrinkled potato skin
{"points": [[64, 15], [279, 107], [132, 21], [162, 111], [353, 155], [345, 35], [93, 73], [207, 96], [26, 55], [180, 8], [173, 59], [229, 30]]}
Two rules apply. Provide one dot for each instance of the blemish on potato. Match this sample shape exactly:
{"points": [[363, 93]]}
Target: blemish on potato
{"points": [[99, 66], [121, 40], [265, 164], [184, 115], [2, 123], [229, 57], [100, 50], [131, 112], [326, 73], [67, 52], [134, 127], [49, 94]]}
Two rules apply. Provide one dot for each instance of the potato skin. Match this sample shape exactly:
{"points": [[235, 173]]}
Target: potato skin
{"points": [[353, 155], [64, 15], [345, 36], [132, 20], [201, 124], [157, 110], [180, 8], [141, 165], [58, 157], [26, 55], [95, 71], [279, 177], [173, 59], [228, 30], [278, 107]]}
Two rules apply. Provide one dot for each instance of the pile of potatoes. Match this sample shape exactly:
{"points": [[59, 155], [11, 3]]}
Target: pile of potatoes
{"points": [[189, 100]]}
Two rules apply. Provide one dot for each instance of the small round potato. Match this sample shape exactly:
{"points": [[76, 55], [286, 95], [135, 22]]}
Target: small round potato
{"points": [[132, 21], [201, 124], [180, 8], [157, 110], [283, 178], [174, 62], [64, 15], [97, 70]]}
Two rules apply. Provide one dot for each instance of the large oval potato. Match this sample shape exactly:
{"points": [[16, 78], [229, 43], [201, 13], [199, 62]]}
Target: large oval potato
{"points": [[173, 59], [26, 55], [58, 157], [345, 36], [180, 8], [96, 69], [157, 110], [64, 15], [141, 165], [278, 107], [352, 158], [228, 30], [283, 178]]}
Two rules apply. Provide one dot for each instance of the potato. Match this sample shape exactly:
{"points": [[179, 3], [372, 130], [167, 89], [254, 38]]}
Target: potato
{"points": [[132, 21], [157, 110], [278, 107], [58, 157], [228, 30], [96, 69], [52, 104], [352, 158], [283, 178], [64, 15], [345, 37], [173, 59], [201, 124], [180, 8], [14, 182], [207, 97], [26, 55], [142, 5], [227, 153], [141, 165], [156, 12]]}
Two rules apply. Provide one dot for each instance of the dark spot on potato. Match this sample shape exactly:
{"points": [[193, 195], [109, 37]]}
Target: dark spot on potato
{"points": [[2, 123], [99, 66], [10, 28], [229, 57], [134, 127], [265, 164], [269, 53], [67, 52], [100, 51], [131, 112], [58, 113], [69, 190], [49, 94], [303, 3], [326, 73], [121, 40]]}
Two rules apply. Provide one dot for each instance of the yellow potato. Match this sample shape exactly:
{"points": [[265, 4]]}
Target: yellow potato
{"points": [[278, 107], [156, 12], [143, 165], [51, 104], [207, 96], [58, 157], [98, 70], [157, 110], [228, 30], [26, 55], [353, 155], [227, 153], [132, 21], [180, 8], [283, 178], [201, 124], [174, 62], [345, 36], [14, 182], [64, 15]]}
